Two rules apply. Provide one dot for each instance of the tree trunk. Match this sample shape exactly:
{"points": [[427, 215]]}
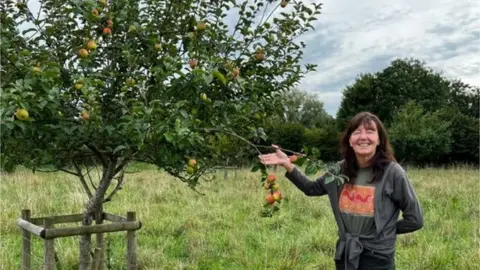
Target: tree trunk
{"points": [[94, 205]]}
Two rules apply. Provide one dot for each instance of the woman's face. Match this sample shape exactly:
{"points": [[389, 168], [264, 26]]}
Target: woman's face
{"points": [[364, 140]]}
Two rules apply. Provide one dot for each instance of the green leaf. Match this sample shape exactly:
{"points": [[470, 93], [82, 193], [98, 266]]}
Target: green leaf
{"points": [[169, 136], [311, 168], [300, 161], [329, 178], [220, 77], [208, 78], [184, 113], [256, 167]]}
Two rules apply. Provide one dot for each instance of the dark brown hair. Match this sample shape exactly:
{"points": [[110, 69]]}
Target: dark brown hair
{"points": [[383, 154]]}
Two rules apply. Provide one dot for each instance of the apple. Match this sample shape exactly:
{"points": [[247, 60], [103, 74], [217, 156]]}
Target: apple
{"points": [[36, 69], [78, 86], [283, 3], [277, 196], [110, 23], [269, 198], [271, 178], [91, 45], [95, 12], [25, 52], [293, 158], [190, 170], [83, 53], [257, 116], [192, 163], [193, 63], [201, 26], [102, 2], [274, 187], [203, 96], [158, 46], [266, 186], [236, 72], [21, 114], [84, 115], [260, 56], [107, 31], [130, 81]]}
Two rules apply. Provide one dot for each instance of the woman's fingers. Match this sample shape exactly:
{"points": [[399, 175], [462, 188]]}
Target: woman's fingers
{"points": [[268, 159]]}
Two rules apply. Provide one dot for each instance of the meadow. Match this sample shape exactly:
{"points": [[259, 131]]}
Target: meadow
{"points": [[223, 229]]}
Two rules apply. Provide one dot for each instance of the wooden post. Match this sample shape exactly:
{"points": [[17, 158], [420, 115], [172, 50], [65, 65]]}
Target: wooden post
{"points": [[98, 258], [131, 244], [26, 238], [49, 248]]}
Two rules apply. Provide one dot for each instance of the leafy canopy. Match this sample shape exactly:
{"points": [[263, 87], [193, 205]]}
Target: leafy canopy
{"points": [[142, 80]]}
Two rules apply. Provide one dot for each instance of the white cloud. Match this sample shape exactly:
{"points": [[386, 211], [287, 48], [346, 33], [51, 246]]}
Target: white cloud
{"points": [[354, 37]]}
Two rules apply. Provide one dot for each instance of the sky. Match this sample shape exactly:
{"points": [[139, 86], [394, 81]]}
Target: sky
{"points": [[354, 37]]}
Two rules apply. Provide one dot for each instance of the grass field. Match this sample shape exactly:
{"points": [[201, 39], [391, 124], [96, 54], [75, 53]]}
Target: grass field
{"points": [[223, 229]]}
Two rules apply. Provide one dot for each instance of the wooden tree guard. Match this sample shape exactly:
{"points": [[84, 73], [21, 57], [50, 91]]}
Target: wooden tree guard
{"points": [[30, 226]]}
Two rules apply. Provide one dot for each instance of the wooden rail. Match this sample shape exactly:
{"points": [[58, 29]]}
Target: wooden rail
{"points": [[44, 227]]}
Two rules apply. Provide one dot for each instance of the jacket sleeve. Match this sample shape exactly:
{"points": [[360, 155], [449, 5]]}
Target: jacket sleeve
{"points": [[309, 187], [405, 197]]}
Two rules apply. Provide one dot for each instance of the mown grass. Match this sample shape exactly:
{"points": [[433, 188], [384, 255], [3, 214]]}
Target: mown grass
{"points": [[223, 228]]}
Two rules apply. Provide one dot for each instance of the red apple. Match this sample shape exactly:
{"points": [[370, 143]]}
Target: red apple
{"points": [[192, 63], [201, 26], [260, 56], [91, 45], [192, 163], [236, 72], [269, 198], [85, 115], [271, 178], [277, 196], [83, 53]]}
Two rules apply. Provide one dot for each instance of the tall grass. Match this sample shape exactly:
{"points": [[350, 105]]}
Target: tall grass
{"points": [[223, 228]]}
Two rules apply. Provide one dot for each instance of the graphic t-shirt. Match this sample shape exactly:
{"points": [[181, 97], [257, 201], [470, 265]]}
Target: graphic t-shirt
{"points": [[357, 203]]}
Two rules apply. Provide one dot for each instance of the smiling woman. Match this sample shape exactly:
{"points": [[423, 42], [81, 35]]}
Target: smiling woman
{"points": [[367, 206]]}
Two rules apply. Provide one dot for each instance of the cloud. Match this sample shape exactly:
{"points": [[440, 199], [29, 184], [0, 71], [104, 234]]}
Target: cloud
{"points": [[354, 37]]}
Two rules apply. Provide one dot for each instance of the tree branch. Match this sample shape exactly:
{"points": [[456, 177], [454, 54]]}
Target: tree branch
{"points": [[57, 170], [97, 152], [117, 188], [82, 180], [89, 177]]}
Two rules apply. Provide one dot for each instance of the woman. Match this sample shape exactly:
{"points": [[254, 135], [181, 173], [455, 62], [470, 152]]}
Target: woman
{"points": [[367, 207]]}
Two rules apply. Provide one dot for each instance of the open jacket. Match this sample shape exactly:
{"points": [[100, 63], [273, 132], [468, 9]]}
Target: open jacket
{"points": [[393, 193]]}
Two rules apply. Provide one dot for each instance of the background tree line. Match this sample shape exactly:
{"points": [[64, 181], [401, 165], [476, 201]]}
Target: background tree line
{"points": [[431, 120]]}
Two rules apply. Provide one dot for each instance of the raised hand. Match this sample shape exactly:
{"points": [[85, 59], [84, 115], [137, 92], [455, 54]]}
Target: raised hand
{"points": [[277, 158]]}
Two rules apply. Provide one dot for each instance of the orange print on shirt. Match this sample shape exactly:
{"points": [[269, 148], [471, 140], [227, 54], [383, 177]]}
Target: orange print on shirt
{"points": [[357, 200]]}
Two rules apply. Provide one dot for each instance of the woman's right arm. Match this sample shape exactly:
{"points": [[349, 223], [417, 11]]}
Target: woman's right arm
{"points": [[302, 182]]}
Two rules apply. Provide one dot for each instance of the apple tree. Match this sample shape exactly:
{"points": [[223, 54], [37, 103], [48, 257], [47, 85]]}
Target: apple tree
{"points": [[104, 83]]}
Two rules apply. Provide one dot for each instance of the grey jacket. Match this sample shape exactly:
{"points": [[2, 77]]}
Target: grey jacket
{"points": [[393, 193]]}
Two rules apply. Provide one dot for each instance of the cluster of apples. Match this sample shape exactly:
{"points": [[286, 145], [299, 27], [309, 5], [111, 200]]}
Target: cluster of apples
{"points": [[191, 166], [273, 189]]}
